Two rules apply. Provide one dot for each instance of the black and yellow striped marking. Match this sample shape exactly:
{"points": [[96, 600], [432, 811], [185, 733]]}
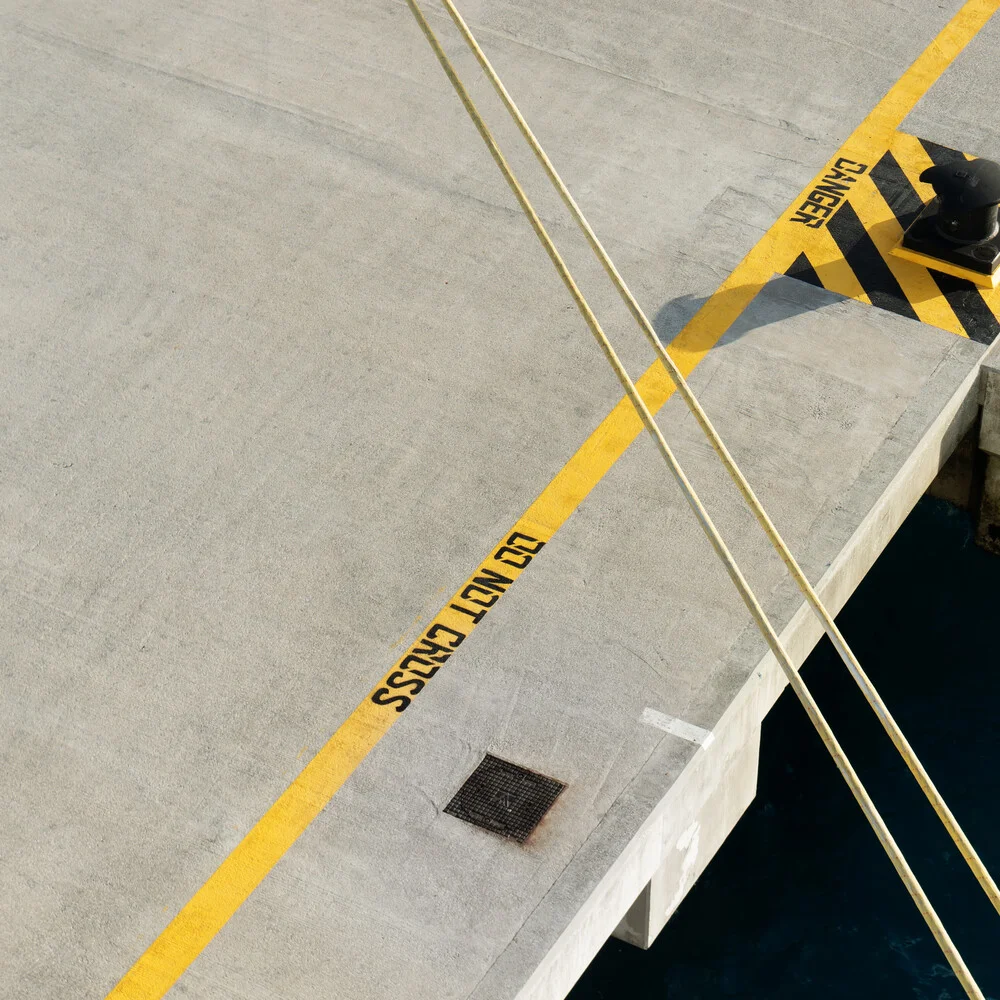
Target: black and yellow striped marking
{"points": [[864, 227]]}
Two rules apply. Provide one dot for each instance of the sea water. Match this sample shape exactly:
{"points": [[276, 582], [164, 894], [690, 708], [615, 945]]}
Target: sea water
{"points": [[801, 901]]}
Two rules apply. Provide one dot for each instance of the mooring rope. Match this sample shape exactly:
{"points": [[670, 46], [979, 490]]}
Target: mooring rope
{"points": [[879, 707], [749, 598]]}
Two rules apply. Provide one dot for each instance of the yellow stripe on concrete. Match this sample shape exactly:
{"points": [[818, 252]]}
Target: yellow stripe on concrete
{"points": [[920, 289], [913, 161], [235, 879], [891, 111], [186, 936], [991, 296], [833, 270]]}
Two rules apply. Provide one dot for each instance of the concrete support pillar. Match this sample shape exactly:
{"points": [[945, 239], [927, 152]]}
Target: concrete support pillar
{"points": [[988, 531], [687, 853], [960, 478]]}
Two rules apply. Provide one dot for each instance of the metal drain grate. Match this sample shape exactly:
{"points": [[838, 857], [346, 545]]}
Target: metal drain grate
{"points": [[504, 798]]}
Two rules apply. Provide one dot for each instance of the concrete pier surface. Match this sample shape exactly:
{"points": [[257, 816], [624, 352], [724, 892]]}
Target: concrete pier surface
{"points": [[283, 365]]}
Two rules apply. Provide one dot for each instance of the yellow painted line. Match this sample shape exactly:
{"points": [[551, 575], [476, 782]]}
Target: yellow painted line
{"points": [[190, 931], [991, 296], [913, 161], [920, 289], [833, 270], [890, 112]]}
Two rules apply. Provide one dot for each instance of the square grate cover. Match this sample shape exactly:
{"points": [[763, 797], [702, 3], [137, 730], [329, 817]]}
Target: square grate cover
{"points": [[504, 798]]}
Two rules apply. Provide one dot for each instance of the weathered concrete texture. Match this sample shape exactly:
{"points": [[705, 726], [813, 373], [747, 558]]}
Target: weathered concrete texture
{"points": [[725, 773], [960, 109], [821, 399], [281, 361], [959, 481], [840, 415], [988, 525]]}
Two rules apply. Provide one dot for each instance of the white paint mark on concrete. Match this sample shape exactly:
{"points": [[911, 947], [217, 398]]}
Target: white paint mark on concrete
{"points": [[688, 838], [688, 843], [677, 727]]}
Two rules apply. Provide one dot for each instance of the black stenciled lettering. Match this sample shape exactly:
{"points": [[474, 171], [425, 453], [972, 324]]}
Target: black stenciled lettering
{"points": [[491, 579], [524, 543], [827, 196], [839, 175], [814, 209], [524, 557], [437, 628], [473, 588], [399, 700], [426, 674], [844, 164], [398, 680], [819, 197], [807, 220], [407, 664], [432, 650], [476, 616]]}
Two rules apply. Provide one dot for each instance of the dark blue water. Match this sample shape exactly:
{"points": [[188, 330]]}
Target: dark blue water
{"points": [[801, 901]]}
